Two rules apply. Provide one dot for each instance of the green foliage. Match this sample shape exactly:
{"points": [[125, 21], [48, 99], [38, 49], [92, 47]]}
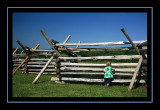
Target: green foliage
{"points": [[107, 53], [18, 51]]}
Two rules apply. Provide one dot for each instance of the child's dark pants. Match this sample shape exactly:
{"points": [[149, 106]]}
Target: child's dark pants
{"points": [[107, 80]]}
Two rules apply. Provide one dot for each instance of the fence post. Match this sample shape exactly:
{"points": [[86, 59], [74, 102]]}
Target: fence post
{"points": [[43, 69], [130, 40], [53, 46], [78, 44], [58, 71], [28, 56], [135, 73], [15, 51], [22, 51], [25, 66]]}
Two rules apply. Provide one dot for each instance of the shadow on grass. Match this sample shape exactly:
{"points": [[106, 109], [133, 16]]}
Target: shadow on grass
{"points": [[96, 83], [138, 85], [41, 82]]}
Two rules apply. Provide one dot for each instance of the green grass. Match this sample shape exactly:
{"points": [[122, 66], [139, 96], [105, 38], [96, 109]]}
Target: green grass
{"points": [[22, 87], [22, 83]]}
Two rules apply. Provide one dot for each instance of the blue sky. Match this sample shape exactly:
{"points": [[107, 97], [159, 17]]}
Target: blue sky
{"points": [[84, 27]]}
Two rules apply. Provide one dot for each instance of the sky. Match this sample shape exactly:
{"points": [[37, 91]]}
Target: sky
{"points": [[85, 27]]}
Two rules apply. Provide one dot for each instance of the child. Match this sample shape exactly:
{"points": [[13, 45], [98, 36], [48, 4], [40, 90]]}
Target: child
{"points": [[108, 73]]}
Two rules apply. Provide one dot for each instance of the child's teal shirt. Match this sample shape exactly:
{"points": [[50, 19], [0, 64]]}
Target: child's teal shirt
{"points": [[108, 73]]}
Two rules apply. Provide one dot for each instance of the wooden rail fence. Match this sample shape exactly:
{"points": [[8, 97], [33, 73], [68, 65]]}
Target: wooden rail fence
{"points": [[72, 67], [68, 68]]}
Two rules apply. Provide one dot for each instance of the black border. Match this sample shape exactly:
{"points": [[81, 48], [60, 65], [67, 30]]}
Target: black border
{"points": [[155, 4], [84, 99]]}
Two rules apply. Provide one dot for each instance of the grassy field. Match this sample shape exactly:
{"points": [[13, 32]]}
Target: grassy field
{"points": [[22, 87]]}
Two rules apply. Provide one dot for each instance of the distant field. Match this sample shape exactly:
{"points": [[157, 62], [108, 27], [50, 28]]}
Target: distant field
{"points": [[22, 87]]}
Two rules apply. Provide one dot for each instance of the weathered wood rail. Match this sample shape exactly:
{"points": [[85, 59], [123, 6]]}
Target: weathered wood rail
{"points": [[102, 43]]}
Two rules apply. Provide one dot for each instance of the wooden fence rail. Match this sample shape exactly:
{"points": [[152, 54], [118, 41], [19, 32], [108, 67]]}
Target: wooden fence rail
{"points": [[99, 65], [102, 57], [102, 43], [95, 73], [95, 69], [91, 49], [98, 80]]}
